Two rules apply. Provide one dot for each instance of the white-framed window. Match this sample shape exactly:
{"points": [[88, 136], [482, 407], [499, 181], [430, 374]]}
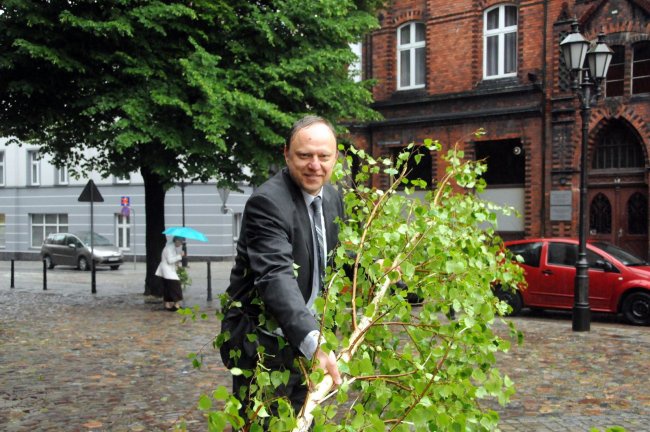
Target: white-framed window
{"points": [[2, 230], [62, 177], [34, 168], [411, 63], [43, 224], [123, 179], [500, 42], [123, 231], [2, 168]]}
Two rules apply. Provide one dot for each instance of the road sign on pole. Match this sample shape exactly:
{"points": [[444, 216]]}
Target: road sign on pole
{"points": [[91, 194]]}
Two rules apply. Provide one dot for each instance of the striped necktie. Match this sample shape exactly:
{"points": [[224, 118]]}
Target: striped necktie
{"points": [[317, 207]]}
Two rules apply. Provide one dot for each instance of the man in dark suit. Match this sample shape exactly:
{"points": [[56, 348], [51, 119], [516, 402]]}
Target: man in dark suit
{"points": [[280, 261]]}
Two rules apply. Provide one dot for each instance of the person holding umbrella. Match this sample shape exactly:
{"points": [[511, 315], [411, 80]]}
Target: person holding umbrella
{"points": [[169, 260]]}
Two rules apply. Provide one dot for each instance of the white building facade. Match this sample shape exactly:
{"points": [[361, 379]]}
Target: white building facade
{"points": [[37, 198]]}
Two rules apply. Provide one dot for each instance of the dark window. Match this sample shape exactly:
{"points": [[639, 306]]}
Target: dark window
{"points": [[530, 252], [56, 239], [506, 164], [616, 72], [567, 255], [71, 240], [593, 259], [562, 254], [600, 215], [422, 170], [618, 148], [641, 68], [637, 214]]}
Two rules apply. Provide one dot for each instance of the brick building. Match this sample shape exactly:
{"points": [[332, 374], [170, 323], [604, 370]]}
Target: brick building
{"points": [[444, 69]]}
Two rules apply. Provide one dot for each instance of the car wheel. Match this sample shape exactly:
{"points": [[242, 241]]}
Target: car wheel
{"points": [[512, 297], [115, 267], [83, 264], [636, 308], [48, 262]]}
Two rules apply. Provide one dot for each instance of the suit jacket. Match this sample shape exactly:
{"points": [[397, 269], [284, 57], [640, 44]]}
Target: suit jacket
{"points": [[276, 233]]}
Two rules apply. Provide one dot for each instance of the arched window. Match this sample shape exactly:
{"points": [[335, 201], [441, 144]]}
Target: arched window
{"points": [[617, 148], [500, 42], [637, 214], [410, 56], [600, 215], [641, 68]]}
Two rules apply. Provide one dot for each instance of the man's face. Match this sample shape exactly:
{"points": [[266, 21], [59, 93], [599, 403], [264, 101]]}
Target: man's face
{"points": [[311, 157]]}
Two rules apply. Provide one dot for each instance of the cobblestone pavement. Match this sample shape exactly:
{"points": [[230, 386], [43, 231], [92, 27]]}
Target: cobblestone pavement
{"points": [[117, 361]]}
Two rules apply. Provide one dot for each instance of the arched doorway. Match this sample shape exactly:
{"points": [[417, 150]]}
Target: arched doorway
{"points": [[618, 190]]}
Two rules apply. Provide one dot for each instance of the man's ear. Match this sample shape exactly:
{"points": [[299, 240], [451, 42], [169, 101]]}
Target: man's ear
{"points": [[286, 153]]}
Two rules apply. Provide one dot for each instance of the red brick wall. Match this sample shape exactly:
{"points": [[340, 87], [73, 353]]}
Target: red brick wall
{"points": [[454, 39], [544, 110]]}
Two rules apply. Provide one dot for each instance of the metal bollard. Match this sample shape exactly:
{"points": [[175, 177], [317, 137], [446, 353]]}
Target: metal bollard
{"points": [[209, 282], [12, 273], [93, 277], [44, 275]]}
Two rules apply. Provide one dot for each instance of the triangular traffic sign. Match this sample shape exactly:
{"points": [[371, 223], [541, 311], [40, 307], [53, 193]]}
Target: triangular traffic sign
{"points": [[90, 193]]}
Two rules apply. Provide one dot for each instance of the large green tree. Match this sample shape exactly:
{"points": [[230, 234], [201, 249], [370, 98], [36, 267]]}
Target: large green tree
{"points": [[175, 89]]}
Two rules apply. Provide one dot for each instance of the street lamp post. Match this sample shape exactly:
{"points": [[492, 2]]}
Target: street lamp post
{"points": [[184, 258], [586, 83]]}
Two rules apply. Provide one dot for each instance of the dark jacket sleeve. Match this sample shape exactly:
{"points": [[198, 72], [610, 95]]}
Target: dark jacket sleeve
{"points": [[275, 241]]}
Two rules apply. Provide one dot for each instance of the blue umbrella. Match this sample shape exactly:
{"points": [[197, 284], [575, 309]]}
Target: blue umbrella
{"points": [[186, 232]]}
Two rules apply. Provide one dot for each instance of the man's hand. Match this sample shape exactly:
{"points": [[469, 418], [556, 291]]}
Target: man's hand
{"points": [[327, 362]]}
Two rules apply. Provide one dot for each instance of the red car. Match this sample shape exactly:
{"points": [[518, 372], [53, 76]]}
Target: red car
{"points": [[619, 282]]}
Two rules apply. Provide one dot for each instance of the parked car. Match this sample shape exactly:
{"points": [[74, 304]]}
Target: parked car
{"points": [[619, 282], [74, 250]]}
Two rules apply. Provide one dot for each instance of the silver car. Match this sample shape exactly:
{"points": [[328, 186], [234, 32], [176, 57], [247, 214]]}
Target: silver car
{"points": [[74, 250]]}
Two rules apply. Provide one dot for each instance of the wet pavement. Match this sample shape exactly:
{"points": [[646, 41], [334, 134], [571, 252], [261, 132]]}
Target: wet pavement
{"points": [[115, 360]]}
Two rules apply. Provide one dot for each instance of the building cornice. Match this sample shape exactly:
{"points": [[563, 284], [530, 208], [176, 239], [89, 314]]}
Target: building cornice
{"points": [[405, 99], [532, 110]]}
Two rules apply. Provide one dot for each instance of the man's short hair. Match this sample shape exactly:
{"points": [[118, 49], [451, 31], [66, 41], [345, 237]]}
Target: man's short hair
{"points": [[305, 122]]}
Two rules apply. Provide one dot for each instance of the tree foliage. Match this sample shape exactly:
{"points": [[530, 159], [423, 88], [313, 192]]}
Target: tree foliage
{"points": [[407, 366], [190, 89], [175, 89]]}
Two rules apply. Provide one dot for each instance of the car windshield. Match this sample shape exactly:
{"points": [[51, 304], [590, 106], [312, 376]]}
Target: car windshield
{"points": [[98, 240], [620, 254]]}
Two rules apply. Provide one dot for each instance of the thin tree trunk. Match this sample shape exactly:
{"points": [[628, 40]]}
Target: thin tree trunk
{"points": [[154, 199], [322, 390]]}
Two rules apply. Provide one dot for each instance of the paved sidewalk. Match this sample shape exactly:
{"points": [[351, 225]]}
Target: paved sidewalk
{"points": [[117, 361]]}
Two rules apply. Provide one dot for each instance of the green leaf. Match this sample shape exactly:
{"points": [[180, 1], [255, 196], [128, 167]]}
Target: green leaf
{"points": [[455, 267], [221, 393], [205, 403]]}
